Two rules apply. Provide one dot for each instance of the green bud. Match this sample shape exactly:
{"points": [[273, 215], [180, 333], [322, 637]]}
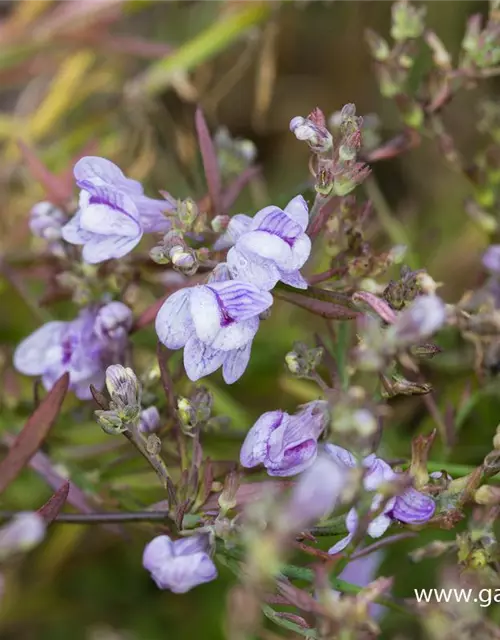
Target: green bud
{"points": [[407, 21], [378, 46], [487, 495], [110, 422]]}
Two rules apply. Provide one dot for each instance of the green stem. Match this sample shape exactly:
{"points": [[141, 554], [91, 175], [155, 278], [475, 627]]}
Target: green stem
{"points": [[140, 443]]}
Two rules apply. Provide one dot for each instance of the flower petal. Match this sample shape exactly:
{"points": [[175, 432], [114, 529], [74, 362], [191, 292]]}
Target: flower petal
{"points": [[294, 279], [298, 211], [30, 355], [378, 472], [109, 212], [101, 248], [239, 224], [341, 544], [341, 455], [241, 300], [102, 171], [157, 552], [266, 246], [198, 543], [235, 363], [254, 448], [378, 526], [151, 214], [294, 459], [278, 223], [205, 312], [72, 231], [200, 360], [173, 322], [413, 507], [264, 274], [300, 251]]}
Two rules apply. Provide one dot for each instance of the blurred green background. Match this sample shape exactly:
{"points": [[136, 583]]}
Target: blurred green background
{"points": [[122, 79]]}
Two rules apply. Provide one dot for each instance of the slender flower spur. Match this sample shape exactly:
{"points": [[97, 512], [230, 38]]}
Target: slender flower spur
{"points": [[215, 323], [113, 211], [411, 507], [271, 246], [80, 347], [179, 565], [284, 444]]}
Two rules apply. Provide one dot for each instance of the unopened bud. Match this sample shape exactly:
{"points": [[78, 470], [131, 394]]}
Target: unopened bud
{"points": [[317, 137], [110, 422], [220, 223], [187, 212], [302, 361], [227, 499], [407, 21], [159, 254], [153, 444], [46, 221], [149, 420], [125, 391], [184, 260], [113, 322], [378, 46], [487, 495]]}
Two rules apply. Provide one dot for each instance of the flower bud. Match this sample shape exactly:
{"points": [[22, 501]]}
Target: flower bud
{"points": [[23, 532], [110, 422], [227, 499], [407, 21], [302, 361], [220, 223], [46, 221], [185, 411], [125, 391], [159, 254], [317, 137], [487, 495], [113, 322], [378, 46], [184, 260], [187, 212]]}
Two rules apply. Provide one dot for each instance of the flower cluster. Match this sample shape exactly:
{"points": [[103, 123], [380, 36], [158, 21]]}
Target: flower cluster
{"points": [[216, 322], [412, 507], [83, 347], [113, 212]]}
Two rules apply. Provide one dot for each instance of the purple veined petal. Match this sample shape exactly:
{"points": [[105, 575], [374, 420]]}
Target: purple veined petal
{"points": [[30, 355], [102, 171], [298, 211], [173, 322], [341, 455], [205, 312], [101, 248], [491, 258], [298, 434], [221, 273], [278, 223], [240, 301], [235, 336], [378, 526], [268, 247], [294, 279], [300, 251], [294, 459], [151, 214], [72, 231], [264, 274], [413, 507], [157, 552], [200, 360], [254, 448], [105, 211], [238, 225], [235, 363], [378, 472], [197, 543]]}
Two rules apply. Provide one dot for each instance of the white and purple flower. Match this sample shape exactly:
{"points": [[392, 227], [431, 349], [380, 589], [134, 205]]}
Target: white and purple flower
{"points": [[215, 323], [411, 507], [285, 444], [269, 247], [78, 347], [113, 211], [179, 565]]}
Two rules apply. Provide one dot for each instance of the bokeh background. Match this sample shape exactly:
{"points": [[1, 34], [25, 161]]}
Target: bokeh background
{"points": [[122, 79]]}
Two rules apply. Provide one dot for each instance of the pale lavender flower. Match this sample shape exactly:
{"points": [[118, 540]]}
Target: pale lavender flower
{"points": [[22, 533], [46, 221], [491, 259], [113, 321], [113, 211], [271, 246], [179, 565], [315, 495], [423, 318], [411, 507], [74, 347], [285, 444], [215, 323], [149, 420]]}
